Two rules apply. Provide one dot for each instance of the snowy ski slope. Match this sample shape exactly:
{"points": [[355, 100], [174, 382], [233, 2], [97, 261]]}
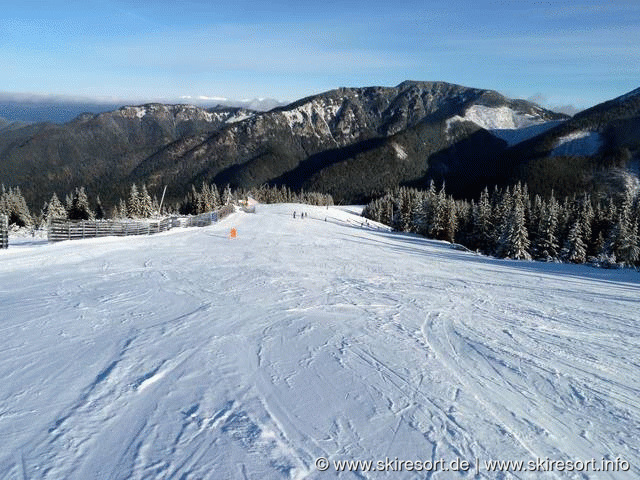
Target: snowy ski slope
{"points": [[190, 355]]}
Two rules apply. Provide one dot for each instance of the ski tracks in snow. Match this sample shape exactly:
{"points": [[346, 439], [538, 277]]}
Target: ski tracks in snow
{"points": [[189, 355]]}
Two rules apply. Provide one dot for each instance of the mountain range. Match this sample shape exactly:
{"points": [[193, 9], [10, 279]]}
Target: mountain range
{"points": [[351, 142]]}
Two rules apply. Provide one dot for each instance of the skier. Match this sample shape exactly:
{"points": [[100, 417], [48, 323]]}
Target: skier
{"points": [[294, 214]]}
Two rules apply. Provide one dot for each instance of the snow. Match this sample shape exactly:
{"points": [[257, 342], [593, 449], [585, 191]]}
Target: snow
{"points": [[311, 118], [401, 153], [580, 142], [189, 354], [133, 112], [505, 123], [518, 135], [239, 117]]}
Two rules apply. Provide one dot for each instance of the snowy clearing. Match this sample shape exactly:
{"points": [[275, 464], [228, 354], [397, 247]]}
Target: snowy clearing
{"points": [[505, 123], [191, 355], [580, 142]]}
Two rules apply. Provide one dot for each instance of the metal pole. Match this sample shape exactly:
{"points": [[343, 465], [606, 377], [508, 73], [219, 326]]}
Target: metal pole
{"points": [[162, 200]]}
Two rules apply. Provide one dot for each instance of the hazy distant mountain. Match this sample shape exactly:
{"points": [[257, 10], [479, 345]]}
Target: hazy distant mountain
{"points": [[33, 111], [257, 104], [61, 109]]}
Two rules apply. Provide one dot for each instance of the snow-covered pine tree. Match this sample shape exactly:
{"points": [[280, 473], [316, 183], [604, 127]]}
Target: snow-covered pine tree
{"points": [[533, 225], [123, 210], [451, 220], [146, 206], [403, 222], [426, 210], [464, 222], [502, 208], [15, 207], [80, 209], [418, 220], [215, 195], [547, 247], [514, 242], [587, 216], [575, 249], [227, 196], [202, 199], [624, 241], [439, 215], [133, 203], [482, 224], [54, 209]]}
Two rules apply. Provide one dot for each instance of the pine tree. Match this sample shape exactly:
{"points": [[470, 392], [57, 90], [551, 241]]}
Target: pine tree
{"points": [[54, 209], [144, 200], [533, 225], [575, 250], [15, 207], [547, 246], [502, 208], [227, 196], [68, 202], [439, 215], [80, 209], [587, 216], [215, 195], [514, 242], [123, 210], [133, 204], [482, 225], [624, 242], [419, 220], [402, 222], [451, 220]]}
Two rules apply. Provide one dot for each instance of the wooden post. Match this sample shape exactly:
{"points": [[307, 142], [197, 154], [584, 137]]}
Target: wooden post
{"points": [[4, 231]]}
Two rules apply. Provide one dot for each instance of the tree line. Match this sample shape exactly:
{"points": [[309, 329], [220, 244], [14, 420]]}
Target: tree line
{"points": [[509, 223], [140, 204]]}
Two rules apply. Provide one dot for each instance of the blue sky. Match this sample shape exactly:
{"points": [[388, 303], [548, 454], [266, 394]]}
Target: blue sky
{"points": [[556, 52]]}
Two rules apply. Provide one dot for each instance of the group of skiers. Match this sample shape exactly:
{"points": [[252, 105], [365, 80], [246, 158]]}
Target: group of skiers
{"points": [[302, 214]]}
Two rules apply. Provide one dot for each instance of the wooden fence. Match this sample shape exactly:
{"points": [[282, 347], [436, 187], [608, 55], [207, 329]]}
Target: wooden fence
{"points": [[208, 218], [60, 229], [73, 230], [4, 231]]}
